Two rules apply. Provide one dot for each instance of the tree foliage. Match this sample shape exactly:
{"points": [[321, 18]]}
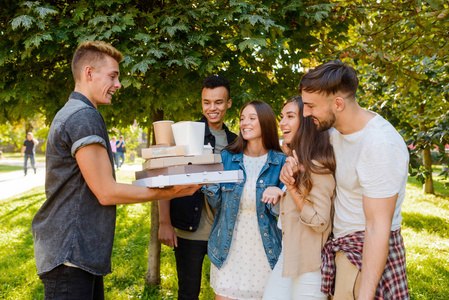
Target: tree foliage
{"points": [[401, 51], [168, 46]]}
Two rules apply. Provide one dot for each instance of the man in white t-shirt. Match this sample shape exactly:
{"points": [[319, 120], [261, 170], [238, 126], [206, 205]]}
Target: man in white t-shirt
{"points": [[372, 168]]}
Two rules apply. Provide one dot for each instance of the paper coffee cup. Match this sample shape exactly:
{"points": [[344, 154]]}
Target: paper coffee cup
{"points": [[191, 135], [163, 132]]}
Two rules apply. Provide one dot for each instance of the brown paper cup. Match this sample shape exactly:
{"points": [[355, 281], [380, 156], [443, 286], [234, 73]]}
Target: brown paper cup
{"points": [[163, 132]]}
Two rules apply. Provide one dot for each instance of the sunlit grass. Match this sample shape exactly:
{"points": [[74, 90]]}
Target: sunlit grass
{"points": [[425, 228], [17, 155]]}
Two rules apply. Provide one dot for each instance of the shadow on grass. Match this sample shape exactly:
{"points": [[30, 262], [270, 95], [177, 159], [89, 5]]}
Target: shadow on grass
{"points": [[438, 185], [431, 224], [129, 256], [21, 208]]}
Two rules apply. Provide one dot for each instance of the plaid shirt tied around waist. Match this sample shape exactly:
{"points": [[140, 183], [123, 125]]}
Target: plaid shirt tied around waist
{"points": [[392, 284]]}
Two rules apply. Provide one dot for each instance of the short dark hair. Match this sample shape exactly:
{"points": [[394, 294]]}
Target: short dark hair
{"points": [[330, 78], [214, 81], [268, 125]]}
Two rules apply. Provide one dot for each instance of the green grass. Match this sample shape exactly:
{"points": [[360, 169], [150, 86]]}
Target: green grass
{"points": [[425, 228], [18, 279], [17, 155], [6, 168]]}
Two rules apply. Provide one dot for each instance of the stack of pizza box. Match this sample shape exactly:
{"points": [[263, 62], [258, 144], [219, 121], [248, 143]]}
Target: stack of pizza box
{"points": [[167, 164]]}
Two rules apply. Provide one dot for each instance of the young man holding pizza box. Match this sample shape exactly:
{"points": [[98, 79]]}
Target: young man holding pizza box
{"points": [[185, 223]]}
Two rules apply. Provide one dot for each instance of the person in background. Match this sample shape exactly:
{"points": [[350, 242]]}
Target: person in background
{"points": [[185, 223], [120, 154], [305, 217], [365, 259], [74, 229], [113, 143], [29, 150], [245, 243]]}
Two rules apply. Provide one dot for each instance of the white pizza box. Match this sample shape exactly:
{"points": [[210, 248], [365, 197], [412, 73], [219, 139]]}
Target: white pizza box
{"points": [[162, 162], [154, 152], [193, 178], [187, 169]]}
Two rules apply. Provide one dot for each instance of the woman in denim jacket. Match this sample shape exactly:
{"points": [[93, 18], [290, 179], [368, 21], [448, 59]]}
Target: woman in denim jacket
{"points": [[245, 243]]}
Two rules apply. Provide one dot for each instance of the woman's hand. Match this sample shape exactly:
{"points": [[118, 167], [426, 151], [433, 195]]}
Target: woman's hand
{"points": [[271, 195], [290, 168]]}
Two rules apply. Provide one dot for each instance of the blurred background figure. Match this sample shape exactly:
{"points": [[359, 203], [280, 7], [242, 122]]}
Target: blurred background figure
{"points": [[29, 150]]}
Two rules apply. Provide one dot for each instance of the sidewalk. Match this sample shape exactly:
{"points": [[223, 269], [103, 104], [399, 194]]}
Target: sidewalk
{"points": [[15, 183]]}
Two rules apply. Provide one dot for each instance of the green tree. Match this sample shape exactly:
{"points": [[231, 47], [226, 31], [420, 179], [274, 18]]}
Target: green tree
{"points": [[401, 50]]}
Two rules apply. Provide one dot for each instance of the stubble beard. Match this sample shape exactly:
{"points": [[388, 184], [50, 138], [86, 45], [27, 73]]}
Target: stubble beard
{"points": [[327, 123]]}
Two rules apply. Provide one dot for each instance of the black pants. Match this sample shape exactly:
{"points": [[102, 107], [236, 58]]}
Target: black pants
{"points": [[189, 264], [68, 283]]}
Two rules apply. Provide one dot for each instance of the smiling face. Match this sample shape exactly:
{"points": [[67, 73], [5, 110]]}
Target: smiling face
{"points": [[319, 107], [215, 102], [289, 123], [250, 125], [104, 81]]}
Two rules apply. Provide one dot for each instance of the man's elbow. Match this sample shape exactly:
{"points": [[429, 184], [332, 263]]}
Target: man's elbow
{"points": [[105, 197]]}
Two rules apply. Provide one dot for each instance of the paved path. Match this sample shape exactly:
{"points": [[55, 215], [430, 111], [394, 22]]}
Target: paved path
{"points": [[15, 183]]}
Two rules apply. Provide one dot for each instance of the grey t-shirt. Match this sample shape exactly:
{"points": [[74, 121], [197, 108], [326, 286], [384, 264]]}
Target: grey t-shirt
{"points": [[221, 140], [72, 226]]}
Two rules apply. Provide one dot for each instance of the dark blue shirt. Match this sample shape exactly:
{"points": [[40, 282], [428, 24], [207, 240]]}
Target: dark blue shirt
{"points": [[72, 226], [30, 148]]}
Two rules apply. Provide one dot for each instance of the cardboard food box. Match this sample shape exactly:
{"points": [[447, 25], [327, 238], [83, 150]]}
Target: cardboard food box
{"points": [[156, 163], [194, 178], [179, 170], [154, 152]]}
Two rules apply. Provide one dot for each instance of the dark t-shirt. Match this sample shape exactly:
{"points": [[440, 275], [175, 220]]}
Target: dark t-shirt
{"points": [[72, 226], [30, 147]]}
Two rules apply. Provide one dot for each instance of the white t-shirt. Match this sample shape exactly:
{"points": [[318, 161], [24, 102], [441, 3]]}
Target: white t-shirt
{"points": [[371, 162]]}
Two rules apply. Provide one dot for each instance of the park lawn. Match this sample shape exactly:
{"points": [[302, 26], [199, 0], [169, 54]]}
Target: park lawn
{"points": [[16, 155], [6, 168], [425, 229]]}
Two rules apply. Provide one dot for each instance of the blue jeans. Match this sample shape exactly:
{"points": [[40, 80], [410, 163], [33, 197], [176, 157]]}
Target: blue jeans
{"points": [[119, 158], [69, 283], [189, 264], [25, 167]]}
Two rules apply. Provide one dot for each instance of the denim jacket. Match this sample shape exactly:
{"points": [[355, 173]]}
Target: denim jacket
{"points": [[225, 198]]}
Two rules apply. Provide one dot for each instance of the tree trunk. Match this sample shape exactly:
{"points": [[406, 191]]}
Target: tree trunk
{"points": [[28, 127], [428, 184], [427, 158], [153, 276]]}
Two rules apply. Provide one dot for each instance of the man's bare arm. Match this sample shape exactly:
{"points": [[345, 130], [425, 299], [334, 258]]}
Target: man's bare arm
{"points": [[96, 168], [379, 215]]}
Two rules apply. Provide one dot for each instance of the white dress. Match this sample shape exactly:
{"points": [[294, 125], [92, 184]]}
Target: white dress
{"points": [[246, 270]]}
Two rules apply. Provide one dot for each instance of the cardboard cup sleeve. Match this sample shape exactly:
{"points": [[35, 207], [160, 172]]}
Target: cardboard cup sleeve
{"points": [[163, 132]]}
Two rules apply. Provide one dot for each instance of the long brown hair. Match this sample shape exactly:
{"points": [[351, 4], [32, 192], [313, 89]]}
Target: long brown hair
{"points": [[310, 144], [268, 126]]}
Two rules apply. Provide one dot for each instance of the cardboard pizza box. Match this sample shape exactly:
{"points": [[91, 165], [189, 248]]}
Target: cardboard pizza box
{"points": [[154, 152], [156, 163], [180, 170], [194, 178]]}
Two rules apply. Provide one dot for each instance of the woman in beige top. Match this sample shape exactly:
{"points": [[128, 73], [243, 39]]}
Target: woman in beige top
{"points": [[306, 206]]}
